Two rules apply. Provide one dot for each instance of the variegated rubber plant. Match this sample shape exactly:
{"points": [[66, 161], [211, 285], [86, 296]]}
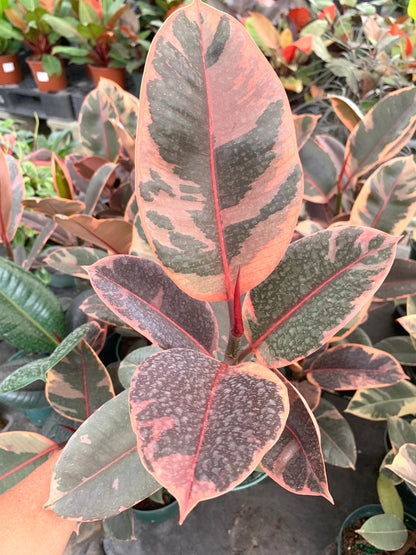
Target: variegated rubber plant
{"points": [[219, 189]]}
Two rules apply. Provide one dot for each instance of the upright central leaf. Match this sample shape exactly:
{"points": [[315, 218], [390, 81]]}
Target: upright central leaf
{"points": [[218, 176]]}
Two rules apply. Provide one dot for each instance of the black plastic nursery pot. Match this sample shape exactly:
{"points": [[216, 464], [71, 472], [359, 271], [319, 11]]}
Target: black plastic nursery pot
{"points": [[363, 513], [159, 514]]}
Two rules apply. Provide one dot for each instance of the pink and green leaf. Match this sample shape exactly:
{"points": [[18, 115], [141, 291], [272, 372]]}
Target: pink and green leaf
{"points": [[227, 196], [112, 234], [62, 181], [51, 206], [322, 282], [13, 179], [404, 463], [387, 200], [141, 294], [71, 260], [320, 174], [346, 110], [126, 104], [310, 392], [79, 384], [351, 366], [95, 308], [305, 125], [101, 487], [337, 439], [6, 198], [98, 136], [382, 132], [295, 461], [105, 176], [400, 281], [380, 403], [203, 426], [20, 454]]}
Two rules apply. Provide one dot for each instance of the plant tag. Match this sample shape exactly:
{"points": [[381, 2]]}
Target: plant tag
{"points": [[42, 76], [8, 67]]}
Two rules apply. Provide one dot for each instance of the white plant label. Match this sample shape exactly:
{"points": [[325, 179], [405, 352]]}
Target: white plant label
{"points": [[42, 76], [8, 67]]}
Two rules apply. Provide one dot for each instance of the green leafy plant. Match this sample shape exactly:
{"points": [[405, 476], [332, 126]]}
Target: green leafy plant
{"points": [[10, 38], [218, 194]]}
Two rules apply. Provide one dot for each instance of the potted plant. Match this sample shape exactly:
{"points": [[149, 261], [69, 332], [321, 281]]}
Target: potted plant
{"points": [[97, 37], [10, 43], [28, 18]]}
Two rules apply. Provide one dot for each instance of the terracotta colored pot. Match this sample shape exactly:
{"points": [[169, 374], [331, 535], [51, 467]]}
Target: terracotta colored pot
{"points": [[116, 74], [10, 73], [42, 79]]}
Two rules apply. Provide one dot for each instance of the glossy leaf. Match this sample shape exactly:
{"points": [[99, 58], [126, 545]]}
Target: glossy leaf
{"points": [[219, 183], [305, 125], [38, 222], [31, 315], [337, 439], [52, 205], [319, 173], [401, 348], [36, 370], [6, 197], [292, 313], [20, 454], [79, 384], [388, 496], [126, 104], [112, 234], [378, 404], [400, 431], [295, 462], [94, 307], [310, 392], [384, 531], [353, 367], [404, 463], [11, 185], [382, 132], [62, 181], [120, 527], [139, 292], [346, 110], [387, 200], [203, 426], [103, 177], [97, 134], [101, 487], [71, 260], [130, 362], [400, 281], [409, 324]]}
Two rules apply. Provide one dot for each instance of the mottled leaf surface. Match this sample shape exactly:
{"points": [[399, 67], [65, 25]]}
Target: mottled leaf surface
{"points": [[400, 431], [70, 260], [20, 454], [404, 463], [94, 307], [218, 176], [355, 367], [304, 127], [130, 362], [380, 403], [126, 104], [6, 197], [30, 312], [52, 205], [321, 283], [140, 293], [99, 487], [203, 426], [320, 174], [337, 439], [103, 177], [400, 281], [400, 347], [12, 180], [382, 132], [36, 370], [387, 200], [79, 384], [295, 461], [111, 234]]}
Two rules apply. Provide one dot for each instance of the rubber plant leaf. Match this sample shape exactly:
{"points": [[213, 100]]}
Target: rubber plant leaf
{"points": [[295, 462], [347, 367], [389, 497], [400, 431], [321, 283], [121, 526], [112, 234], [190, 412], [346, 110], [385, 531], [320, 173], [94, 307], [404, 463], [139, 292], [31, 316], [61, 178], [387, 200], [71, 260], [79, 384], [380, 403], [401, 347], [304, 127], [40, 531], [219, 182], [37, 370], [382, 133], [51, 206], [105, 176], [97, 134], [20, 454], [101, 487], [11, 194], [127, 105], [400, 282], [337, 438]]}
